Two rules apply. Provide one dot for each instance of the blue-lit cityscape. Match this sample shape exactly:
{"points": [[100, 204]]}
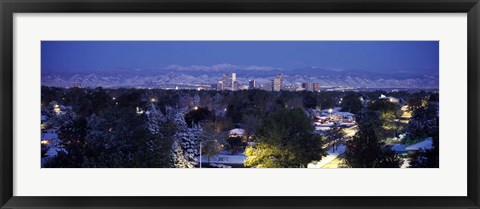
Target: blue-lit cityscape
{"points": [[240, 104]]}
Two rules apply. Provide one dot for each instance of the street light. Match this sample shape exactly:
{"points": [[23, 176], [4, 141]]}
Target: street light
{"points": [[201, 150], [330, 111]]}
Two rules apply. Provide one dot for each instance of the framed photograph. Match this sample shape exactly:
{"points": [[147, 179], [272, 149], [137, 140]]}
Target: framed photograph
{"points": [[239, 104]]}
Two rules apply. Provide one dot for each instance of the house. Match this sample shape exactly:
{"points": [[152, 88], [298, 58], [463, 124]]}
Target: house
{"points": [[236, 132], [391, 99], [333, 117]]}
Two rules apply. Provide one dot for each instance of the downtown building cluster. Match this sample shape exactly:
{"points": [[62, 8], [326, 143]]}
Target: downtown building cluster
{"points": [[277, 84]]}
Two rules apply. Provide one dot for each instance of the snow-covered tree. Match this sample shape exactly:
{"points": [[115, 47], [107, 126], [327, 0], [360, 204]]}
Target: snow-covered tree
{"points": [[180, 160], [155, 119], [189, 140], [186, 139], [423, 122]]}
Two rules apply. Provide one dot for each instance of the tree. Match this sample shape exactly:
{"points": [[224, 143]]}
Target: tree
{"points": [[388, 113], [327, 99], [310, 101], [414, 102], [249, 124], [44, 150], [71, 135], [285, 139], [198, 115], [433, 98], [235, 112], [351, 103], [179, 157], [365, 150], [428, 158], [384, 106], [212, 139], [154, 119], [422, 122], [333, 135], [164, 152], [235, 144]]}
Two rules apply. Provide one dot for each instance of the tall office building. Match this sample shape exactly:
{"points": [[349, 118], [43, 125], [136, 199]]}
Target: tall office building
{"points": [[235, 85], [280, 76], [311, 86], [316, 87], [225, 81], [277, 82], [220, 86], [234, 81], [308, 86], [252, 84]]}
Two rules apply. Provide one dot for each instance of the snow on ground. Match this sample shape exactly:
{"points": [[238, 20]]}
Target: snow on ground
{"points": [[405, 164], [331, 155], [398, 147], [425, 144], [224, 159]]}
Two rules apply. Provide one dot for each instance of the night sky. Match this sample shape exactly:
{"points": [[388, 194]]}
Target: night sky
{"points": [[376, 56]]}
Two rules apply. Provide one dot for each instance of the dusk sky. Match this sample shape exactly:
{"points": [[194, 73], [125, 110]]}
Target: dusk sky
{"points": [[377, 56]]}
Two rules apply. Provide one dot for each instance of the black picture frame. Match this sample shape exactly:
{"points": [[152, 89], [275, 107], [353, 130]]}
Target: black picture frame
{"points": [[9, 7]]}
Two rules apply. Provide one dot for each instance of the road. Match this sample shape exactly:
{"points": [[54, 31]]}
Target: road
{"points": [[334, 163]]}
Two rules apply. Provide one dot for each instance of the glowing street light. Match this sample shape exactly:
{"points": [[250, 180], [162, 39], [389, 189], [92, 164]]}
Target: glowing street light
{"points": [[330, 111], [195, 108], [139, 111], [153, 100], [56, 109]]}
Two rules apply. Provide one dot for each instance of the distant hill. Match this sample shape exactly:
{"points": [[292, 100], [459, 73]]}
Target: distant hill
{"points": [[187, 75]]}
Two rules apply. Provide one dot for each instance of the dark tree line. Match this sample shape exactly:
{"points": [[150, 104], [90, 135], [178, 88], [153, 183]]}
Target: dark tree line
{"points": [[366, 150], [110, 127]]}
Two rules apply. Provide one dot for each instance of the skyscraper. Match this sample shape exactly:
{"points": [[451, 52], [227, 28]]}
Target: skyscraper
{"points": [[308, 86], [225, 81], [280, 76], [311, 86], [234, 81], [277, 82], [220, 86], [235, 86], [316, 87], [252, 84]]}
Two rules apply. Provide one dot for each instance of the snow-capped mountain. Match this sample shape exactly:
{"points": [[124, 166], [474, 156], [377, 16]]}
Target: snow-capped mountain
{"points": [[175, 75]]}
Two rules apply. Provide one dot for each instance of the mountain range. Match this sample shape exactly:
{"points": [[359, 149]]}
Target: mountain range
{"points": [[175, 75]]}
